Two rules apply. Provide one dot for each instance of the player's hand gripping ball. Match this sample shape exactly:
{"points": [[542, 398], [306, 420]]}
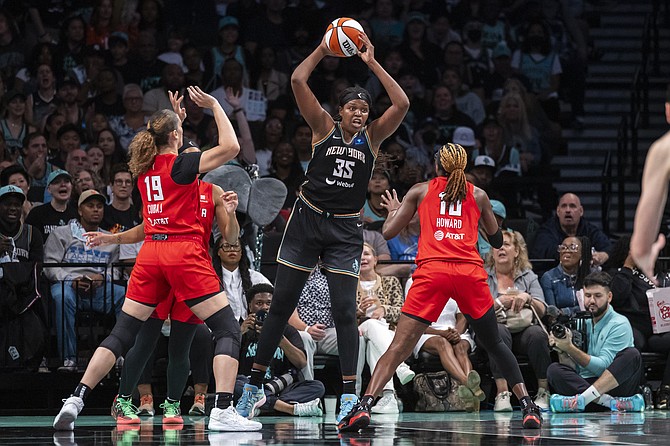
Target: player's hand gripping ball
{"points": [[343, 37]]}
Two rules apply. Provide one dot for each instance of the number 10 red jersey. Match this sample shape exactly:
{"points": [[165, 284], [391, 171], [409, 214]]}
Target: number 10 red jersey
{"points": [[448, 231]]}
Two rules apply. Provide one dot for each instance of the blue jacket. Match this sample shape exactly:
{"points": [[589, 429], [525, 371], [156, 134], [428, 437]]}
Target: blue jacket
{"points": [[550, 235], [559, 290], [608, 337]]}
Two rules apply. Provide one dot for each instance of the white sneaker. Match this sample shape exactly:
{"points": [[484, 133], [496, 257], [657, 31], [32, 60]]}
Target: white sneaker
{"points": [[308, 409], [387, 404], [405, 374], [541, 400], [503, 402], [65, 419], [231, 421], [69, 365]]}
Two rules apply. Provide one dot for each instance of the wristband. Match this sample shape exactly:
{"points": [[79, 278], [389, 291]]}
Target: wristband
{"points": [[237, 110], [306, 329]]}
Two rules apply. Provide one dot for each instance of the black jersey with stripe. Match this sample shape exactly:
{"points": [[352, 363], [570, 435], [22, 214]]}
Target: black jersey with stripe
{"points": [[339, 172]]}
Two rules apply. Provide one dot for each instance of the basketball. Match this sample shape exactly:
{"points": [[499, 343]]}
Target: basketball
{"points": [[342, 37]]}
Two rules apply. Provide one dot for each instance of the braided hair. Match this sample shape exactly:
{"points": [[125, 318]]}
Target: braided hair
{"points": [[453, 160]]}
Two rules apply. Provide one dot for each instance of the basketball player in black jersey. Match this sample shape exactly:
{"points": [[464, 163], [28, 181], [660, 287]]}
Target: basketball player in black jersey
{"points": [[325, 222]]}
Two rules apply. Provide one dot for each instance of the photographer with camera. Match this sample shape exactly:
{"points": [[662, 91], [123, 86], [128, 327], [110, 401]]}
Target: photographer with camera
{"points": [[285, 389], [609, 372]]}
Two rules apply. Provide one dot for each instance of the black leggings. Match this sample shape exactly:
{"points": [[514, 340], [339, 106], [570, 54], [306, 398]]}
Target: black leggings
{"points": [[486, 330], [181, 336], [288, 286]]}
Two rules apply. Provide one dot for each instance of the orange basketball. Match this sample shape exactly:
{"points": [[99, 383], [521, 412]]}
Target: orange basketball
{"points": [[343, 37]]}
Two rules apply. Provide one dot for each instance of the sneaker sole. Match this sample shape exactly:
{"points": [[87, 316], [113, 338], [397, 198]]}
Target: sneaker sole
{"points": [[64, 422], [257, 407], [173, 420], [356, 423], [532, 422], [125, 421], [219, 427]]}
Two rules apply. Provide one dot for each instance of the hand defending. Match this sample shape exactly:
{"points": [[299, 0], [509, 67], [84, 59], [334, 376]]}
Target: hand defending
{"points": [[201, 98], [175, 100], [390, 200]]}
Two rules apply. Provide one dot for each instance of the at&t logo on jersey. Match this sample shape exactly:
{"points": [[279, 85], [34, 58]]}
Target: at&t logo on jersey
{"points": [[355, 266]]}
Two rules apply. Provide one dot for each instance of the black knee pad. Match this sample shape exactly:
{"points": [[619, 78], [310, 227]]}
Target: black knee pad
{"points": [[226, 331], [122, 337]]}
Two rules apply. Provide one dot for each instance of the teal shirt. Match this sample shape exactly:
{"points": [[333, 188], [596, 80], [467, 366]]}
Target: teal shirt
{"points": [[608, 337]]}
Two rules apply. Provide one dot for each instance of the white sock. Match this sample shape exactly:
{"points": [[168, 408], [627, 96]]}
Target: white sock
{"points": [[605, 400], [590, 395]]}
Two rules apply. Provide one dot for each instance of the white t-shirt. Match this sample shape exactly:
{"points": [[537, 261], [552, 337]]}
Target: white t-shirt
{"points": [[232, 284]]}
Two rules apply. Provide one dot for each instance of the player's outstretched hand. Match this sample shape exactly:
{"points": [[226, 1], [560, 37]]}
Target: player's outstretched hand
{"points": [[95, 239], [175, 100], [201, 98], [390, 200]]}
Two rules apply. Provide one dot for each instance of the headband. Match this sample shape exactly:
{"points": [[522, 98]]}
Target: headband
{"points": [[356, 94]]}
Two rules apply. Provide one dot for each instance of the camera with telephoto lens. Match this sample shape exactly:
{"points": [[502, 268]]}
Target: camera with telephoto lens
{"points": [[261, 315], [279, 383], [577, 325]]}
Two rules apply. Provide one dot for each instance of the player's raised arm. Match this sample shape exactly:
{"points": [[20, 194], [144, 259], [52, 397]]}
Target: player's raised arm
{"points": [[228, 147]]}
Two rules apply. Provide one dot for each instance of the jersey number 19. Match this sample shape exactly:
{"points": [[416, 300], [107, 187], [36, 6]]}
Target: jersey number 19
{"points": [[154, 188]]}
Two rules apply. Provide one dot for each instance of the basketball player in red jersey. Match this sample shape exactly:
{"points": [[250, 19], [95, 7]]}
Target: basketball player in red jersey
{"points": [[213, 202], [450, 210], [173, 258]]}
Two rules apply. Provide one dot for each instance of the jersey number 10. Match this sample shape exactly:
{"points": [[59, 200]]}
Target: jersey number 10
{"points": [[154, 188], [455, 209]]}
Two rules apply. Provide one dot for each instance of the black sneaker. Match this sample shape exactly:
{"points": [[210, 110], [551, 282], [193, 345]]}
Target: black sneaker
{"points": [[532, 417], [357, 419]]}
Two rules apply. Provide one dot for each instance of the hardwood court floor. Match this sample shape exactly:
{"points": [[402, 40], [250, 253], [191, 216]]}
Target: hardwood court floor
{"points": [[486, 428]]}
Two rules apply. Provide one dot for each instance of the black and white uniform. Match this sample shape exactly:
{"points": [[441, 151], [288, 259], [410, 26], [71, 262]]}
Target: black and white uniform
{"points": [[325, 222]]}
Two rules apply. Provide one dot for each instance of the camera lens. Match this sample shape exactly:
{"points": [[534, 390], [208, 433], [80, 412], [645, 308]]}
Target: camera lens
{"points": [[261, 315], [559, 331]]}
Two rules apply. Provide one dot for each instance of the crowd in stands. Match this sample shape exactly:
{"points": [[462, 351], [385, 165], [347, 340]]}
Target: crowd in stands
{"points": [[78, 80]]}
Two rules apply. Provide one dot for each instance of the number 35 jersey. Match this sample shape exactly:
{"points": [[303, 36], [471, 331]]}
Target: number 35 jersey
{"points": [[448, 231], [339, 172]]}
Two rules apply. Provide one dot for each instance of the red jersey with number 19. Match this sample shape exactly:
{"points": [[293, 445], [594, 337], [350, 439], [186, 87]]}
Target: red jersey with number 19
{"points": [[168, 207], [448, 231]]}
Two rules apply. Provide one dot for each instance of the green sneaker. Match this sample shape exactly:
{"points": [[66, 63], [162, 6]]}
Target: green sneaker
{"points": [[171, 413], [124, 411]]}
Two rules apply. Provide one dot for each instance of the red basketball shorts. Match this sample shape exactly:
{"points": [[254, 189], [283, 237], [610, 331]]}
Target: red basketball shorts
{"points": [[434, 282], [181, 266]]}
